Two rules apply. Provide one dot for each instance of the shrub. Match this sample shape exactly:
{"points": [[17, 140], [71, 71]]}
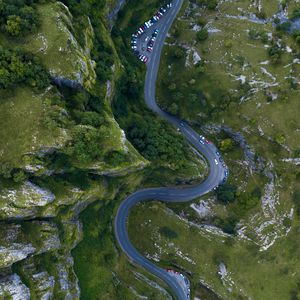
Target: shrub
{"points": [[226, 193], [202, 35], [168, 232]]}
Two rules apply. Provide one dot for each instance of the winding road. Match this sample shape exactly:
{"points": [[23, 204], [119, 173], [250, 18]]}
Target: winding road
{"points": [[169, 194]]}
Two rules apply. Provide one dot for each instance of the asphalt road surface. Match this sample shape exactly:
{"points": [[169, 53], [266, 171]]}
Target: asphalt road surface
{"points": [[170, 194]]}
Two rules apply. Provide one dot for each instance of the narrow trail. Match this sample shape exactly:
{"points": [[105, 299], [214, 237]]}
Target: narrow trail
{"points": [[165, 194]]}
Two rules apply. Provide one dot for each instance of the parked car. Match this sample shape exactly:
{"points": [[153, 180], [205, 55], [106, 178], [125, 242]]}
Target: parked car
{"points": [[155, 33], [143, 58]]}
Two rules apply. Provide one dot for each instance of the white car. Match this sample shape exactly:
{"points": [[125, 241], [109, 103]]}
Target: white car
{"points": [[216, 162]]}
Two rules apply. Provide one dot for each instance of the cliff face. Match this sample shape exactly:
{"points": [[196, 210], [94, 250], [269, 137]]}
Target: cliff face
{"points": [[43, 184], [69, 62]]}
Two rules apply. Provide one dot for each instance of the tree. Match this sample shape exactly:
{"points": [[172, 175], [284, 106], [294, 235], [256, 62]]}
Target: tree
{"points": [[212, 4], [19, 176], [178, 53], [13, 25], [173, 109], [226, 145], [202, 35]]}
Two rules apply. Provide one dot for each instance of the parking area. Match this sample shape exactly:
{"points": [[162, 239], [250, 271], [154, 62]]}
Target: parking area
{"points": [[143, 40], [182, 281]]}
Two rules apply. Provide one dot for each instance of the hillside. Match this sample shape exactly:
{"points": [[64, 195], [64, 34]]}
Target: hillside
{"points": [[62, 148]]}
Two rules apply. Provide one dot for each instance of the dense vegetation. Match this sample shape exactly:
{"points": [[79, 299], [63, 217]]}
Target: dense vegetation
{"points": [[18, 17], [156, 142], [17, 66]]}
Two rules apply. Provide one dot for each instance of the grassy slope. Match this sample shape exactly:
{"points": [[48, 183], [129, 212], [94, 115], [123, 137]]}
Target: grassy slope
{"points": [[261, 275], [23, 115]]}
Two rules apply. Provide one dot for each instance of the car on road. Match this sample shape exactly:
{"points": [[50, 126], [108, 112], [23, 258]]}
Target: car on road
{"points": [[181, 124], [216, 162], [202, 139], [218, 153]]}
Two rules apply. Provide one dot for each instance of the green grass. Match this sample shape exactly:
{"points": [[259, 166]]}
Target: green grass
{"points": [[261, 275], [26, 125]]}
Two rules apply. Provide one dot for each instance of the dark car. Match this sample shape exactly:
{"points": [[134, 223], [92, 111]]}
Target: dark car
{"points": [[155, 33]]}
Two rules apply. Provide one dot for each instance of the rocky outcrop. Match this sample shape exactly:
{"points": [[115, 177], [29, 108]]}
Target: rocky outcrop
{"points": [[11, 287], [18, 241], [249, 153], [23, 201]]}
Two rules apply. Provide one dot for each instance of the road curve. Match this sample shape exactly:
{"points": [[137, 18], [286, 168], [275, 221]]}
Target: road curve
{"points": [[169, 194]]}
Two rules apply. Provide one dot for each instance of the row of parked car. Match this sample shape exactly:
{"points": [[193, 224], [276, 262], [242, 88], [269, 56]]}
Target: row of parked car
{"points": [[226, 171], [152, 40], [142, 29], [158, 15]]}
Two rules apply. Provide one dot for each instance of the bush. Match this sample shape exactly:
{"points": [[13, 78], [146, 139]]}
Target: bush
{"points": [[228, 225], [226, 145], [202, 35], [168, 232], [212, 4], [296, 200], [295, 14], [226, 193]]}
